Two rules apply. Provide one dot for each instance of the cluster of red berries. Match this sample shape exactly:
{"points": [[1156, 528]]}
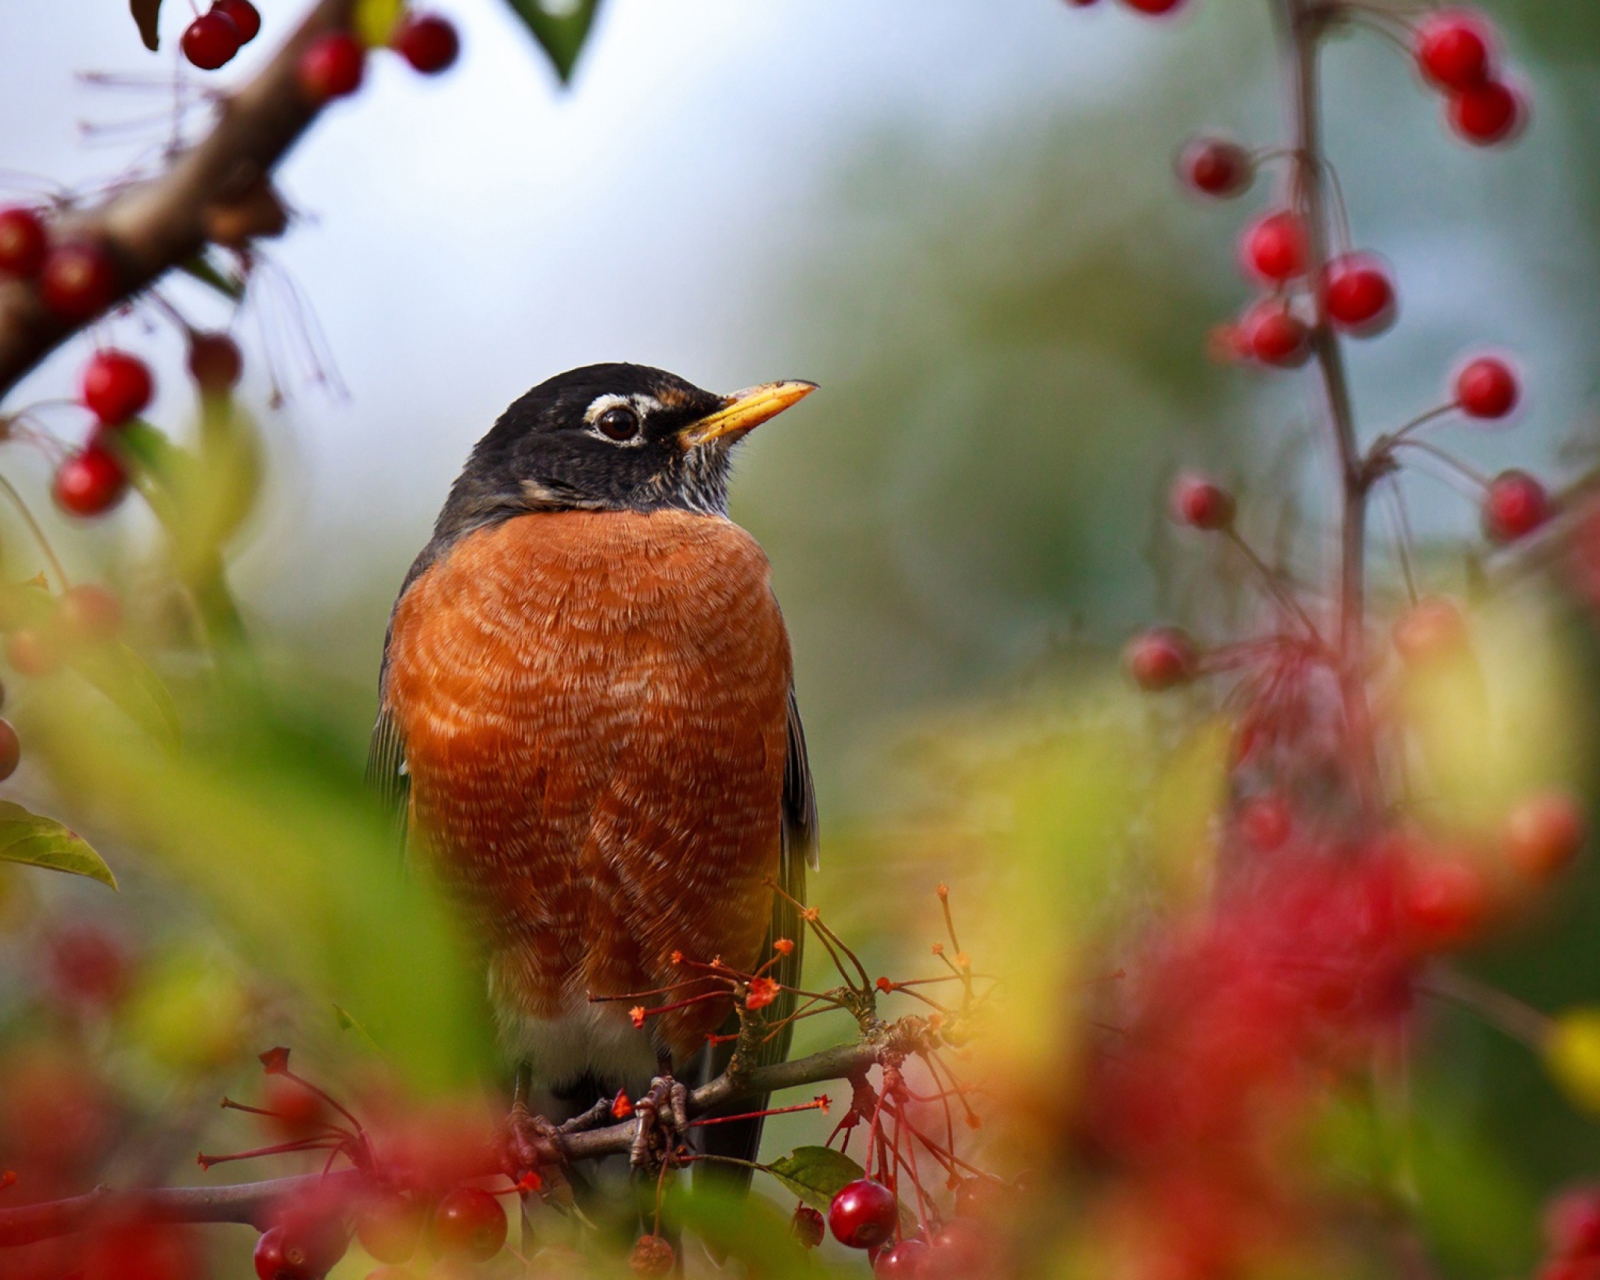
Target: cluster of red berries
{"points": [[1455, 51], [334, 64], [212, 39], [865, 1214], [76, 278]]}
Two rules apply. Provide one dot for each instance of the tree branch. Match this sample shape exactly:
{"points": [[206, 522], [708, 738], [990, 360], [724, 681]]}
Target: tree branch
{"points": [[149, 227]]}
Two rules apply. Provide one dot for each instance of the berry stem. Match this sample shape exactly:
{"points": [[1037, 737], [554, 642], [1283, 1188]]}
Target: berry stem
{"points": [[11, 493]]}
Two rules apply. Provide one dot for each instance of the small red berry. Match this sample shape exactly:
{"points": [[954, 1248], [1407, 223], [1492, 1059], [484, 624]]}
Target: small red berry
{"points": [[244, 16], [78, 280], [1515, 505], [1446, 902], [211, 40], [1542, 835], [1266, 822], [1201, 503], [1360, 295], [88, 968], [903, 1262], [863, 1214], [1430, 630], [428, 42], [90, 482], [1216, 167], [89, 614], [1488, 114], [116, 387], [388, 1228], [10, 750], [1487, 387], [272, 1261], [1453, 50], [962, 1248], [23, 242], [1153, 6], [332, 67], [1572, 1222], [1274, 247], [215, 362], [469, 1223], [652, 1257], [1161, 658], [31, 653], [807, 1226], [1274, 335]]}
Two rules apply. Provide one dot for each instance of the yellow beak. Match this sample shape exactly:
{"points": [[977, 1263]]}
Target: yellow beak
{"points": [[744, 411]]}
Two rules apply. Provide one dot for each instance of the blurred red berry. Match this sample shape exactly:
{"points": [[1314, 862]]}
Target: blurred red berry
{"points": [[1161, 658], [1274, 247], [1487, 387], [1488, 114], [88, 967], [90, 482], [1542, 835], [1430, 630], [143, 1251], [1275, 336], [211, 40], [245, 17], [32, 653], [652, 1257], [1360, 296], [1200, 503], [1446, 902], [77, 280], [389, 1227], [214, 362], [428, 42], [962, 1249], [902, 1262], [469, 1223], [1153, 6], [1266, 822], [116, 386], [1216, 167], [332, 67], [23, 242], [1572, 1222], [10, 750], [1454, 50], [863, 1214], [89, 614], [272, 1262], [305, 1245], [1515, 505]]}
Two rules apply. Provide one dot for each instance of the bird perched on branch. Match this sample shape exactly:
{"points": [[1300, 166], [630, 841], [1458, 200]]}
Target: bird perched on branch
{"points": [[587, 719]]}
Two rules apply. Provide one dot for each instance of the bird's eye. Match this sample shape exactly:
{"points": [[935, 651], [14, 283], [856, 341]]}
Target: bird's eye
{"points": [[618, 423]]}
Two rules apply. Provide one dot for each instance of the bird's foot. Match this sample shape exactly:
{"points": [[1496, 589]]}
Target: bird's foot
{"points": [[528, 1143], [663, 1123]]}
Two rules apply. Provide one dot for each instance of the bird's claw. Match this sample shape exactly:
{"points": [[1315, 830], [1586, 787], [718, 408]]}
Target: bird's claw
{"points": [[528, 1143], [663, 1115]]}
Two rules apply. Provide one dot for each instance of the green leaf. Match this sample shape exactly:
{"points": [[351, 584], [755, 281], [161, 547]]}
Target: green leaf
{"points": [[208, 273], [816, 1174], [43, 842], [124, 677], [560, 31], [147, 14]]}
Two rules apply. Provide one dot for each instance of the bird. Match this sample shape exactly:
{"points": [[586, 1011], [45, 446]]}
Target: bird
{"points": [[588, 730]]}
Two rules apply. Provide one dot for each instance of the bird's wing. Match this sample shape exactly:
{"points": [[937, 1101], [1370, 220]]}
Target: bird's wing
{"points": [[386, 760], [741, 1139]]}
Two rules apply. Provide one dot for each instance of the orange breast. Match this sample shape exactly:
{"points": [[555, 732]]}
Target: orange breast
{"points": [[593, 706]]}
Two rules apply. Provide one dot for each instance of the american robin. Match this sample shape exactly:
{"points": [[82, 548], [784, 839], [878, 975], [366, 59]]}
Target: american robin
{"points": [[588, 721]]}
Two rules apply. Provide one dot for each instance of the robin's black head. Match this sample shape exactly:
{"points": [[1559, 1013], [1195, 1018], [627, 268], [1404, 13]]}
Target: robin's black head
{"points": [[609, 437]]}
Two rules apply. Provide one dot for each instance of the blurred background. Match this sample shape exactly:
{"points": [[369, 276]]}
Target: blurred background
{"points": [[960, 219]]}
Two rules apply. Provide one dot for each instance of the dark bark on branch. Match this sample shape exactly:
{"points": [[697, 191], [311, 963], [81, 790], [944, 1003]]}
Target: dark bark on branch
{"points": [[149, 227]]}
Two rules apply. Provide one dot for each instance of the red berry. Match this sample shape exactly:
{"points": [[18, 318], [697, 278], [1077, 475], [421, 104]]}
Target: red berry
{"points": [[244, 16], [1153, 6], [1453, 50], [807, 1226], [652, 1257], [1488, 114], [90, 482], [903, 1262], [89, 614], [1266, 822], [332, 67], [116, 387], [303, 1246], [273, 1262], [1446, 901], [1274, 335], [428, 42], [1274, 247], [1360, 295], [211, 40], [863, 1214], [963, 1249], [22, 242], [215, 362], [31, 653], [1541, 835], [10, 750], [1487, 387], [1428, 631], [1161, 658], [1216, 167], [388, 1228], [1200, 503], [1515, 505], [78, 280], [1572, 1223], [135, 1250], [88, 969], [469, 1223]]}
